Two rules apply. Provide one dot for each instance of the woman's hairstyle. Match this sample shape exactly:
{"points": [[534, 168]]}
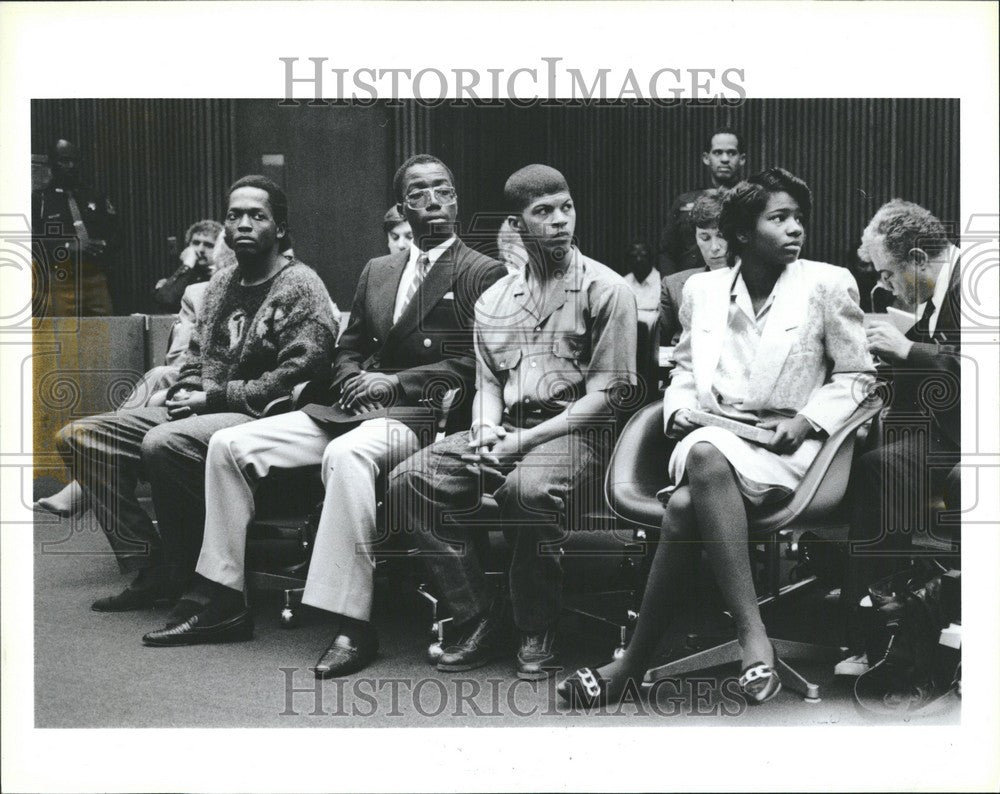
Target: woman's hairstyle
{"points": [[392, 218], [707, 208], [744, 203]]}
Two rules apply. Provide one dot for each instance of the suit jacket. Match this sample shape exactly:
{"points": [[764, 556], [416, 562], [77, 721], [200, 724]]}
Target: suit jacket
{"points": [[928, 383], [813, 356], [430, 348], [671, 292]]}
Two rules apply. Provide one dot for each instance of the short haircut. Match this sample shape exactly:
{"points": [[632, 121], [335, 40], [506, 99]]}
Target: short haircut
{"points": [[392, 218], [744, 203], [904, 226], [209, 227], [726, 131], [418, 159], [275, 195], [530, 182], [707, 209]]}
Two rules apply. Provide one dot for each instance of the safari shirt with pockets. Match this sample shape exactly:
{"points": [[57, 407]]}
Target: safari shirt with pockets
{"points": [[544, 354]]}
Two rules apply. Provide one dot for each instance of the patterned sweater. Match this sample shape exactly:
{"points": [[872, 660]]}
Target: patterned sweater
{"points": [[241, 362]]}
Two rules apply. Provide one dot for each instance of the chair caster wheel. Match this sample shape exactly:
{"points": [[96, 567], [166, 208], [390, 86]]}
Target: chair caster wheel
{"points": [[812, 694], [434, 652], [289, 618], [618, 652]]}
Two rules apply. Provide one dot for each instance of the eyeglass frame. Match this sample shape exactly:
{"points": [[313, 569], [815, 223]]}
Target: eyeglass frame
{"points": [[432, 193]]}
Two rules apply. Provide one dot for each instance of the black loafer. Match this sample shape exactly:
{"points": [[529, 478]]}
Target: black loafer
{"points": [[347, 654], [481, 645], [536, 656], [236, 628]]}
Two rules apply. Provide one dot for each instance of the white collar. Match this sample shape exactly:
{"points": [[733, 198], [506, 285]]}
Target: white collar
{"points": [[434, 254]]}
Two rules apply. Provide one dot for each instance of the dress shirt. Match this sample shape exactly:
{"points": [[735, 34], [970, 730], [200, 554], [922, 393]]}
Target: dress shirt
{"points": [[410, 272]]}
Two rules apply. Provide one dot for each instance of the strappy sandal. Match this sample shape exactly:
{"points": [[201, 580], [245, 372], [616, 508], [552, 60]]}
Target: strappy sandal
{"points": [[759, 682], [585, 688]]}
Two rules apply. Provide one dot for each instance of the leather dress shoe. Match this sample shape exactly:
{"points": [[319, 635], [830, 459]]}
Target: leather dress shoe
{"points": [[535, 655], [151, 586], [483, 643], [235, 628], [347, 654]]}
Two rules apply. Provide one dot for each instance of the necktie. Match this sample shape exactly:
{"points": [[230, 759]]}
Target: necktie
{"points": [[423, 265], [78, 226], [923, 325]]}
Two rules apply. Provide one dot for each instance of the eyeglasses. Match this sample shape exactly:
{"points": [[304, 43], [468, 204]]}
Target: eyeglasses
{"points": [[422, 198]]}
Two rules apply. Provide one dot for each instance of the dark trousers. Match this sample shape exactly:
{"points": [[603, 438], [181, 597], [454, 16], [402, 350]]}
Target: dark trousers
{"points": [[892, 494], [435, 495], [108, 453]]}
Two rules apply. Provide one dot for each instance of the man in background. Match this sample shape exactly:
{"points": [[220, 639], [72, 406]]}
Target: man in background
{"points": [[894, 485], [197, 264], [76, 232], [725, 160]]}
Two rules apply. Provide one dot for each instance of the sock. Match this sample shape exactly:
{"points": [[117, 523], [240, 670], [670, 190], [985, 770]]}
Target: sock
{"points": [[352, 627]]}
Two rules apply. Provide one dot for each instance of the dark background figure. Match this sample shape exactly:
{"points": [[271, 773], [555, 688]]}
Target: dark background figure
{"points": [[725, 158], [197, 264], [398, 234], [76, 230], [642, 278]]}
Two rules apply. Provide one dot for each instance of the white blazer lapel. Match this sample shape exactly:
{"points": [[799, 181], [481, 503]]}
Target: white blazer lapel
{"points": [[709, 325], [785, 318]]}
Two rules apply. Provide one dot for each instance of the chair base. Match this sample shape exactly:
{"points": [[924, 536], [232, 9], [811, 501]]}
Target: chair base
{"points": [[729, 652]]}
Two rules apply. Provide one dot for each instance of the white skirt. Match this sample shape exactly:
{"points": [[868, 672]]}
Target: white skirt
{"points": [[762, 475]]}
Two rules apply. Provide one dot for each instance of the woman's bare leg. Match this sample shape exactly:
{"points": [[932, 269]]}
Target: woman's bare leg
{"points": [[722, 526], [675, 557]]}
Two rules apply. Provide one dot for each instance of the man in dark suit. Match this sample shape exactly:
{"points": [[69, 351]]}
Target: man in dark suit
{"points": [[409, 340], [725, 159], [894, 484]]}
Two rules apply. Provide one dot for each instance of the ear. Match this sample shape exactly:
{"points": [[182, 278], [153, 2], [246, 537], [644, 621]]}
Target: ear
{"points": [[281, 231], [743, 238], [516, 222], [399, 209], [704, 158], [919, 257]]}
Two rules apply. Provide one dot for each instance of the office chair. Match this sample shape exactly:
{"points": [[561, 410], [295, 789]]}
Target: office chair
{"points": [[637, 471]]}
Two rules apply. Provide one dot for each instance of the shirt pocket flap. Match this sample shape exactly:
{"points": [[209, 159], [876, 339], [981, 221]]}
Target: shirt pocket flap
{"points": [[506, 359]]}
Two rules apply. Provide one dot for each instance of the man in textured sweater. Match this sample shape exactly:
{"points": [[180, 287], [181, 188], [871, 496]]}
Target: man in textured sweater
{"points": [[266, 325]]}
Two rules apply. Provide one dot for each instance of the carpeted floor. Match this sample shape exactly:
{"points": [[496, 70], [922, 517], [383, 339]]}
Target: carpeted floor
{"points": [[91, 670]]}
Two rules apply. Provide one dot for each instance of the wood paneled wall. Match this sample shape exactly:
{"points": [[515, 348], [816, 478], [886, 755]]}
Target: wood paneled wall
{"points": [[626, 163], [167, 162], [164, 163]]}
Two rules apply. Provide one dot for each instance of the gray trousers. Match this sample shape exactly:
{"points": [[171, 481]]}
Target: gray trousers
{"points": [[108, 453], [435, 495]]}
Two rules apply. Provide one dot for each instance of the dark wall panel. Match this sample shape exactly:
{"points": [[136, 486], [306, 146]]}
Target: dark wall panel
{"points": [[338, 169]]}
